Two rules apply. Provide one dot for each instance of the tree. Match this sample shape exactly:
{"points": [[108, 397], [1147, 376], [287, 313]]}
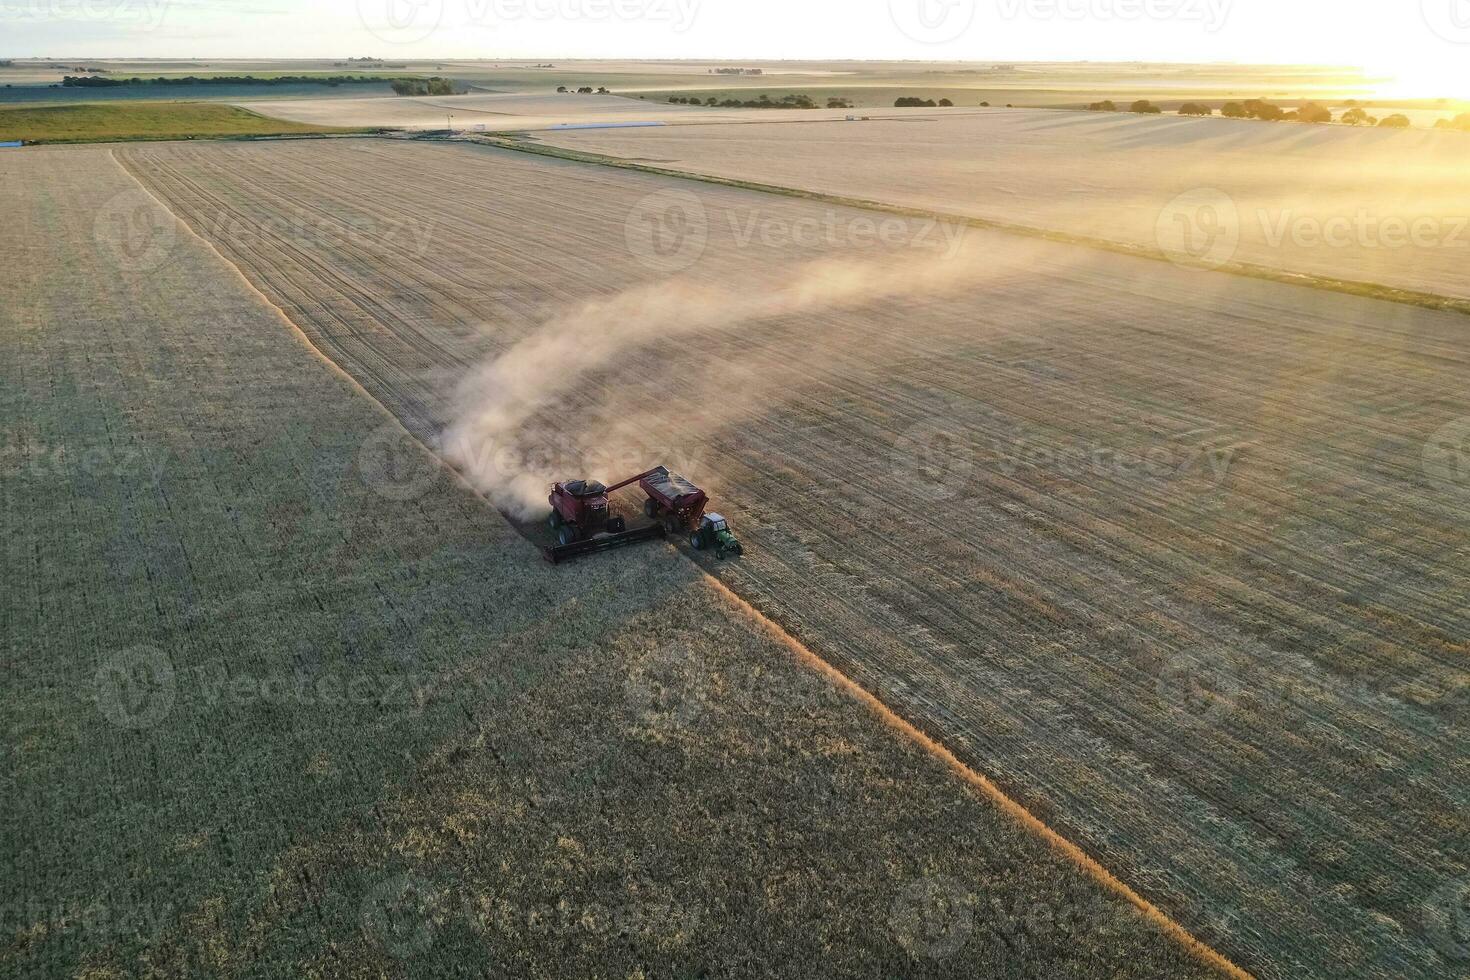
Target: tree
{"points": [[1314, 113], [1233, 110], [585, 90], [945, 102], [602, 90], [1260, 109], [1195, 109], [1144, 106], [1106, 105], [1356, 116], [985, 105], [1396, 121]]}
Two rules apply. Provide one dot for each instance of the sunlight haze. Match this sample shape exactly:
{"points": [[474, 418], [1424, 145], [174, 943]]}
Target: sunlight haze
{"points": [[1419, 46]]}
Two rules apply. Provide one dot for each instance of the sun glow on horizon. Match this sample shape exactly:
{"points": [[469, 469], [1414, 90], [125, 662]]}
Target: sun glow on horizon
{"points": [[1418, 79]]}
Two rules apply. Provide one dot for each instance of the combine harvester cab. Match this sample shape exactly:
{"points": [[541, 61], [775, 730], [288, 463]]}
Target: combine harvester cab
{"points": [[580, 516]]}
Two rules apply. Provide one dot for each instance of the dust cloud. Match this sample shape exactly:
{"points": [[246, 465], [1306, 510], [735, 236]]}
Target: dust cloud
{"points": [[506, 446]]}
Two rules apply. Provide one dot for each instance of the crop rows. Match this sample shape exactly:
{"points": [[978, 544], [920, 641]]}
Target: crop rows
{"points": [[275, 706], [1372, 206], [1168, 554]]}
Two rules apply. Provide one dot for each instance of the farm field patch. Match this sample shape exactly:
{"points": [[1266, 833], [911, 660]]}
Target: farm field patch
{"points": [[91, 123], [284, 698], [516, 112], [1386, 207], [1178, 558]]}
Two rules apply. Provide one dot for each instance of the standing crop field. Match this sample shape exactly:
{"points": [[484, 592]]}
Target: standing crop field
{"points": [[1179, 558], [284, 698], [1375, 206]]}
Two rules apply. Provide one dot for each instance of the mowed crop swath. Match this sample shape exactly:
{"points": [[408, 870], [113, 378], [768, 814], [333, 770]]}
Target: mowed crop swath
{"points": [[373, 733], [1376, 206], [1189, 584]]}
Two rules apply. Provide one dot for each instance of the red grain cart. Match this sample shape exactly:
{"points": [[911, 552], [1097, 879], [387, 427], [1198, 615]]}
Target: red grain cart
{"points": [[672, 500]]}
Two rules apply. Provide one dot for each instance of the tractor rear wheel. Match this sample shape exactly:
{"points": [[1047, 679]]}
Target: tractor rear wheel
{"points": [[554, 521], [696, 541], [568, 534]]}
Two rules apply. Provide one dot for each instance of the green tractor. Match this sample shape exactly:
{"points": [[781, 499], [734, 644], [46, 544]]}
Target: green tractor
{"points": [[714, 532]]}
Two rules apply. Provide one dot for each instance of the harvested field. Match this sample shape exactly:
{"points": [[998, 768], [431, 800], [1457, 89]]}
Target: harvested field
{"points": [[525, 111], [1378, 206], [1178, 558], [285, 699]]}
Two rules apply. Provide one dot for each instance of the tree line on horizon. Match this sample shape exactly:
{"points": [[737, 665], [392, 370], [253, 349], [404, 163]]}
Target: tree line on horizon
{"points": [[1308, 112]]}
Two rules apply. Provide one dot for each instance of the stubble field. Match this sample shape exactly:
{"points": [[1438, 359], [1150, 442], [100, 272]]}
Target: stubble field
{"points": [[1376, 206], [1178, 558], [285, 698]]}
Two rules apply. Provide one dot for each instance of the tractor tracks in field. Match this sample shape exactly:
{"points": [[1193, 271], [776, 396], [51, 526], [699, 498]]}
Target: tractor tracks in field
{"points": [[523, 143], [760, 621], [1010, 621]]}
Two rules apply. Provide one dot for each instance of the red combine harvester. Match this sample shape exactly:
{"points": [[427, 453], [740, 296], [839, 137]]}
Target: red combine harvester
{"points": [[583, 525]]}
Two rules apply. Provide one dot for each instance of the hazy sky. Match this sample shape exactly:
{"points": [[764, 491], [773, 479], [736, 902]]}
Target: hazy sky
{"points": [[1428, 39]]}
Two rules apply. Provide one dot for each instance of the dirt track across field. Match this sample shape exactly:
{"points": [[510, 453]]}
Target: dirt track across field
{"points": [[1177, 558]]}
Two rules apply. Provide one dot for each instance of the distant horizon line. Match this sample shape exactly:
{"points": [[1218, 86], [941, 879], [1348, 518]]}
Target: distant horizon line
{"points": [[865, 61]]}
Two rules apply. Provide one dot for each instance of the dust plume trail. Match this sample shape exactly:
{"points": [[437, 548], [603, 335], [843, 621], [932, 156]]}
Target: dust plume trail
{"points": [[499, 402]]}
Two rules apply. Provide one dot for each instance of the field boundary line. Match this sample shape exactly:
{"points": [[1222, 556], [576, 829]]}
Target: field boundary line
{"points": [[301, 336], [1348, 287], [987, 788], [802, 653]]}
